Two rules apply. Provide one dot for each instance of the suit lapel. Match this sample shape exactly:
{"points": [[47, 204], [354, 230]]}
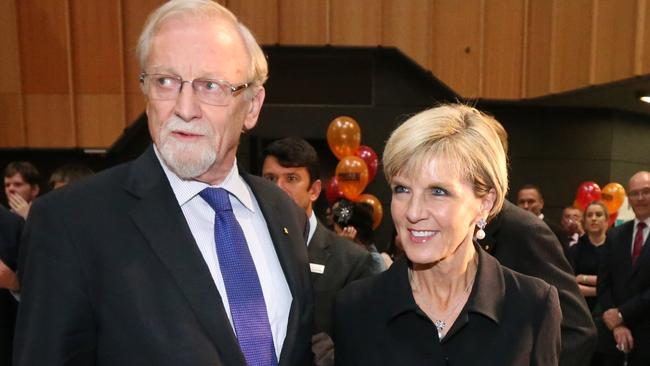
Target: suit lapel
{"points": [[318, 251], [161, 221]]}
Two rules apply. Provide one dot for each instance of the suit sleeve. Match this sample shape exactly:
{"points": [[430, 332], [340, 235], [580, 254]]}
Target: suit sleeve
{"points": [[55, 322], [546, 350], [363, 268], [542, 257]]}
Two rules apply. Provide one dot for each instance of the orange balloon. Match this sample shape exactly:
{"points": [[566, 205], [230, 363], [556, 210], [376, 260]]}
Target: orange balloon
{"points": [[377, 209], [613, 196], [352, 176], [343, 136]]}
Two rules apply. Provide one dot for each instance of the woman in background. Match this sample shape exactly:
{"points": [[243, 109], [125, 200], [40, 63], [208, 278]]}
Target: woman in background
{"points": [[584, 257], [446, 302]]}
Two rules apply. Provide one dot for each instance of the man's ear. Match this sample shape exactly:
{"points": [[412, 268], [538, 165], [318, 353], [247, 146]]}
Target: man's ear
{"points": [[253, 112], [315, 189]]}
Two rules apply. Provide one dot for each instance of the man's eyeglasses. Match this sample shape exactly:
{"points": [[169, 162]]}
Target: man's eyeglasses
{"points": [[167, 87], [643, 193]]}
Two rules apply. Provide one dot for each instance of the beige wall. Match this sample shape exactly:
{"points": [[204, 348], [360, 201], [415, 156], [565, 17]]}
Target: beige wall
{"points": [[68, 76]]}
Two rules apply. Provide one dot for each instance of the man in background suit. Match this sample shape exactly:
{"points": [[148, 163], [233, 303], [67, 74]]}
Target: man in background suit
{"points": [[10, 228], [131, 266], [524, 243], [624, 277], [529, 197], [292, 164]]}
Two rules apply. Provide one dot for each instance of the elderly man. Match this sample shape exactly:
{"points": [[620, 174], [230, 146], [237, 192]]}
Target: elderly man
{"points": [[624, 277], [177, 258], [21, 186], [292, 164]]}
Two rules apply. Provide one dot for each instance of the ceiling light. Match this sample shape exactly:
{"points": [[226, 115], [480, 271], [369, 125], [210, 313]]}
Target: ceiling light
{"points": [[643, 96]]}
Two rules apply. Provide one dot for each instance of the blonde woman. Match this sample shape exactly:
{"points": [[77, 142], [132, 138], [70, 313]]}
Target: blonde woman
{"points": [[446, 301]]}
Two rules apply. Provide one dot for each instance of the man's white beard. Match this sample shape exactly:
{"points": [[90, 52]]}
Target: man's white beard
{"points": [[187, 159]]}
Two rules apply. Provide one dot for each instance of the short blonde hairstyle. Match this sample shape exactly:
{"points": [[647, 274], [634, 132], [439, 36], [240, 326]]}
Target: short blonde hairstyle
{"points": [[463, 136], [202, 9]]}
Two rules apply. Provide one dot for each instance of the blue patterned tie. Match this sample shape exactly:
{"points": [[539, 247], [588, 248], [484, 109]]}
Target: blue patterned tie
{"points": [[247, 306]]}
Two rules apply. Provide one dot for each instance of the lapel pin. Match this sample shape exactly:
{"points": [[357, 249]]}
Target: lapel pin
{"points": [[286, 231]]}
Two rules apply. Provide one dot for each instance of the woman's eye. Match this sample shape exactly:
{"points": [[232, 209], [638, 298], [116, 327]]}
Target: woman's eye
{"points": [[436, 191], [400, 189]]}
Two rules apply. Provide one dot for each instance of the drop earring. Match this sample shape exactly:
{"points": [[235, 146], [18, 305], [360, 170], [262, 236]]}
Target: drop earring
{"points": [[480, 233]]}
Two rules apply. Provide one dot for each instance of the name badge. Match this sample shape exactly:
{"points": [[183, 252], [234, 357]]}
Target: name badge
{"points": [[317, 268]]}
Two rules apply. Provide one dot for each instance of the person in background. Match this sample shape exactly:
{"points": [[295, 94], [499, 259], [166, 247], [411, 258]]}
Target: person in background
{"points": [[353, 220], [529, 197], [69, 173], [293, 165], [584, 257], [178, 257], [522, 242], [11, 226], [447, 171], [624, 278], [21, 186], [571, 224]]}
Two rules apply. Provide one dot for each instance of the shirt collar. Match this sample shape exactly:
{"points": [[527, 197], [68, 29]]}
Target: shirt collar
{"points": [[486, 297], [637, 221], [186, 189], [312, 226]]}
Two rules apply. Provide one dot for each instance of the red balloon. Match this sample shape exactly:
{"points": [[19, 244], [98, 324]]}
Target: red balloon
{"points": [[367, 154], [587, 192], [333, 192]]}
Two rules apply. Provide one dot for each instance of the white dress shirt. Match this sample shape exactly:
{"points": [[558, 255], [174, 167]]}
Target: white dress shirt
{"points": [[200, 218]]}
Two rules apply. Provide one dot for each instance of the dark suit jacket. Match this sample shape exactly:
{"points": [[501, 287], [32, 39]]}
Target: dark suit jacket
{"points": [[522, 242], [10, 228], [112, 276], [627, 287], [509, 320], [344, 262]]}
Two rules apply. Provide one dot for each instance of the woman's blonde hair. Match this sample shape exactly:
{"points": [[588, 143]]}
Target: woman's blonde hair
{"points": [[461, 135], [202, 9]]}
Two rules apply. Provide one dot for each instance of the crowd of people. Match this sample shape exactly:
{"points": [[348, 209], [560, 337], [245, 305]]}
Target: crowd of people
{"points": [[182, 258]]}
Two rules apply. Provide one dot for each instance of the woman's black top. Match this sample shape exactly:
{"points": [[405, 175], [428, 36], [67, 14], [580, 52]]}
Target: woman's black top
{"points": [[509, 319]]}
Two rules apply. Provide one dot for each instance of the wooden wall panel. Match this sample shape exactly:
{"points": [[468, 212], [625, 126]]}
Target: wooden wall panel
{"points": [[643, 38], [572, 44], [96, 116], [303, 22], [134, 14], [457, 45], [45, 69], [97, 69], [503, 49], [261, 17], [12, 126], [615, 35], [355, 22], [537, 71], [407, 26], [48, 121], [44, 45]]}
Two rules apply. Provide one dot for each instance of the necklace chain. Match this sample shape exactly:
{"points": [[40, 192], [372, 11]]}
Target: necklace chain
{"points": [[441, 323]]}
